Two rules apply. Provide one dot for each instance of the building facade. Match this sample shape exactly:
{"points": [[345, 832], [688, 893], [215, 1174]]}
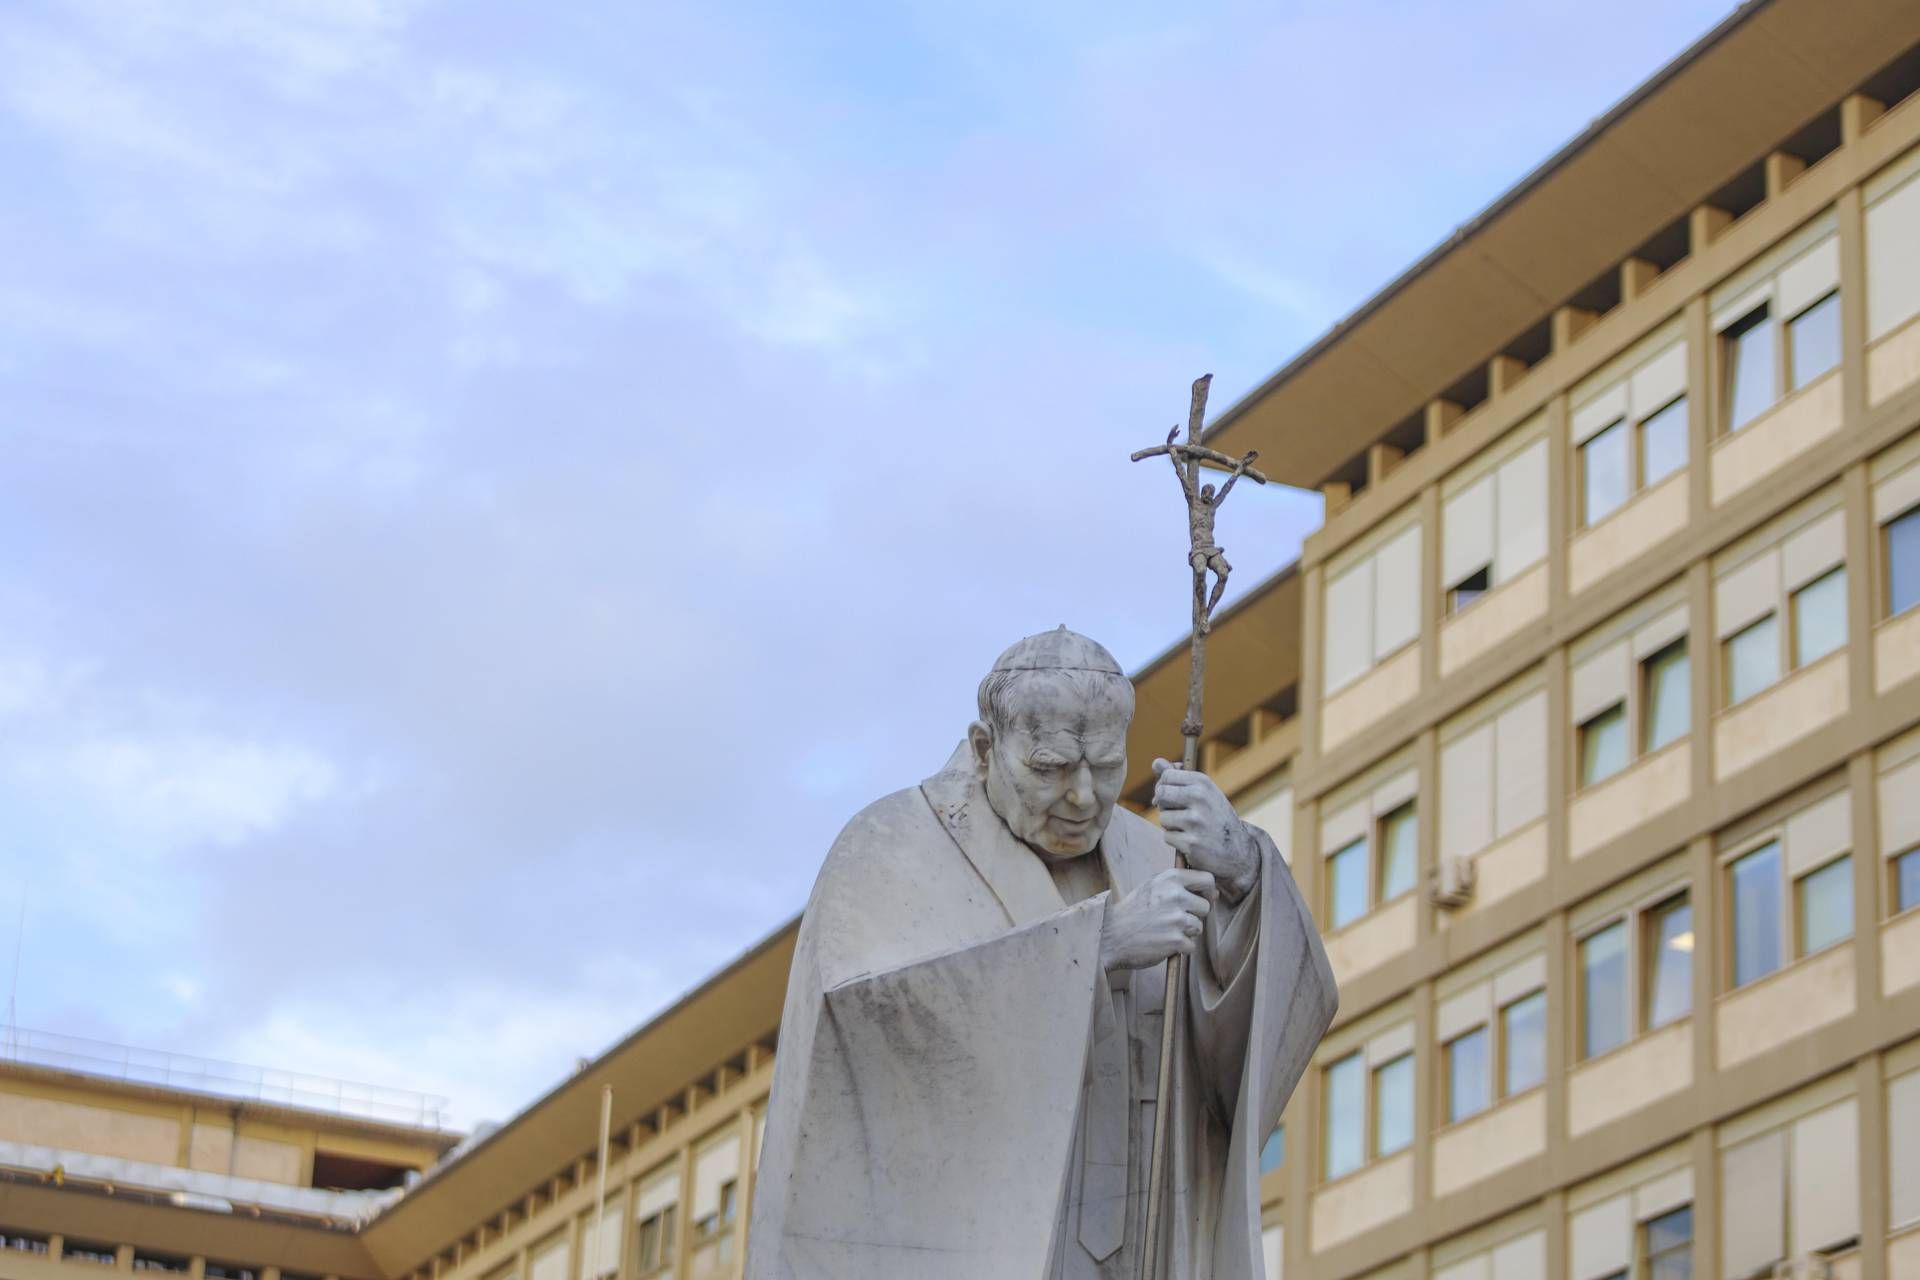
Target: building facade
{"points": [[1589, 721]]}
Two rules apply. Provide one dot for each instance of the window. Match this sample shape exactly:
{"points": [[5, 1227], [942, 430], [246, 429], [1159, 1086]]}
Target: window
{"points": [[1820, 617], [1906, 880], [1469, 1074], [1346, 1115], [1493, 776], [1663, 443], [1893, 270], [1756, 914], [1347, 884], [1469, 588], [1372, 609], [1603, 745], [1604, 472], [1753, 660], [1494, 527], [1393, 1105], [656, 1242], [1523, 1043], [1746, 354], [1903, 562], [1399, 853], [1668, 933], [1603, 990], [1273, 1153], [1376, 854], [82, 1251], [22, 1241], [1666, 1251], [1826, 905], [1629, 426], [1813, 341], [1666, 696]]}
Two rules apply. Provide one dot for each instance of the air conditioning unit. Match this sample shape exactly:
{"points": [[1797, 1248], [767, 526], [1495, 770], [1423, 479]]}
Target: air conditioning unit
{"points": [[1450, 882], [1812, 1267]]}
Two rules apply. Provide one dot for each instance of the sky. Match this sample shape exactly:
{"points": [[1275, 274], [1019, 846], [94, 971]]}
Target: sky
{"points": [[489, 489]]}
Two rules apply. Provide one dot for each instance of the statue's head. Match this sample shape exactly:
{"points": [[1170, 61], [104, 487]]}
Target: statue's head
{"points": [[1051, 741]]}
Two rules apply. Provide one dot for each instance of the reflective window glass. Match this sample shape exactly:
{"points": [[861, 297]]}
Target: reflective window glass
{"points": [[1906, 875], [1347, 884], [1603, 468], [1603, 990], [1663, 443], [1393, 1105], [1346, 1115], [1820, 617], [1826, 905], [1669, 1247], [1468, 1074], [1747, 351], [1813, 340], [1603, 745], [1903, 562], [1666, 687], [1399, 855], [1753, 660], [1274, 1153], [1756, 914], [1669, 944], [1524, 1028]]}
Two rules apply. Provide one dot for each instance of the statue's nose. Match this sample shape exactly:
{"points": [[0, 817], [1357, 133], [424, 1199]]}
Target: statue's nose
{"points": [[1080, 789]]}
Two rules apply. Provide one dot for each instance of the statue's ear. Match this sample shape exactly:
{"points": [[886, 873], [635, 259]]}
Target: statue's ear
{"points": [[980, 739]]}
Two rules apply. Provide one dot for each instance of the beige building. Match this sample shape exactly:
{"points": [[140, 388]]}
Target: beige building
{"points": [[1590, 720]]}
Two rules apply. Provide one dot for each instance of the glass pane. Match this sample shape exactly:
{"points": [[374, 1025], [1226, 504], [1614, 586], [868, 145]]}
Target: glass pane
{"points": [[1747, 349], [1670, 1230], [1470, 588], [1819, 617], [1524, 1024], [1603, 745], [1347, 884], [1346, 1115], [1274, 1153], [1663, 443], [1666, 696], [1468, 1076], [1907, 877], [1903, 562], [1826, 905], [1753, 660], [1669, 934], [1603, 465], [1756, 914], [1393, 1106], [1677, 1265], [1398, 852], [1603, 990], [1814, 339]]}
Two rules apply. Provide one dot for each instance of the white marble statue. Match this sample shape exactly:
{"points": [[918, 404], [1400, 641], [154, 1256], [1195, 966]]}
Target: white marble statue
{"points": [[966, 1086]]}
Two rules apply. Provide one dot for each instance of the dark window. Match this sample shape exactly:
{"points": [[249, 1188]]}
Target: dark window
{"points": [[1470, 588], [1903, 562], [1906, 875]]}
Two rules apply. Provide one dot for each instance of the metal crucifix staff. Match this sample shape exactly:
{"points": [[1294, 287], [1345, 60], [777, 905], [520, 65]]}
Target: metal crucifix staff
{"points": [[1203, 557]]}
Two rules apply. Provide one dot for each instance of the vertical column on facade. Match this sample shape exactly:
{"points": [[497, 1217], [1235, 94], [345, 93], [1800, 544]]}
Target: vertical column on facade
{"points": [[1303, 1155], [682, 1213], [1703, 691], [1312, 631], [1425, 1090], [1560, 1032], [1703, 408], [123, 1258], [57, 1247], [1869, 871], [1704, 895], [1856, 496], [197, 1267], [1554, 1206], [1559, 772], [1870, 1088], [1706, 1202], [1560, 503], [1429, 586], [1851, 216], [747, 1171], [1426, 762]]}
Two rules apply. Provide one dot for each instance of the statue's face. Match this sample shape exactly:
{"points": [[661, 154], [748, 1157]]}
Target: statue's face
{"points": [[1054, 770]]}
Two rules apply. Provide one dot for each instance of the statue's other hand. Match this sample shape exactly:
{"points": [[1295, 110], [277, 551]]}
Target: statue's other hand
{"points": [[1203, 828], [1158, 919]]}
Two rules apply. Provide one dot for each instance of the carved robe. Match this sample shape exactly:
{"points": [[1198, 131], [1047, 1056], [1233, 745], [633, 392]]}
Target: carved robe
{"points": [[963, 1094]]}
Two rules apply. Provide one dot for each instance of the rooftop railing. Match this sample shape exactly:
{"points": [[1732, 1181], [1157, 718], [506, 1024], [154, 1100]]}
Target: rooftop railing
{"points": [[223, 1079]]}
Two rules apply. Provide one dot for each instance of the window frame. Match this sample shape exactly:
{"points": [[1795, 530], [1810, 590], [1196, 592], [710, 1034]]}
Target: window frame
{"points": [[1373, 861], [1495, 1058], [1883, 580], [1635, 916], [1789, 887], [1762, 314], [1644, 1256], [1370, 1108], [1789, 373], [1629, 467], [1893, 885]]}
